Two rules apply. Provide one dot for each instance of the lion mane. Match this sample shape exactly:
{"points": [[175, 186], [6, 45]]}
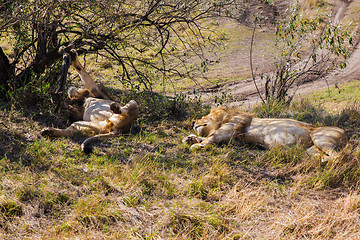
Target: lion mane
{"points": [[224, 123]]}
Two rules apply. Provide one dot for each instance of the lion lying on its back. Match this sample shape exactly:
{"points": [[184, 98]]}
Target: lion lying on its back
{"points": [[98, 114], [223, 124]]}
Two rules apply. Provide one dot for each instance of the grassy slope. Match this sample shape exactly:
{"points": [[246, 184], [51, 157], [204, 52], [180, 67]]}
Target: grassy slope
{"points": [[148, 184]]}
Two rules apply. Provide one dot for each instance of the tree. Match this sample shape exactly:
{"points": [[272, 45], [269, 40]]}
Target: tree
{"points": [[308, 49], [139, 35]]}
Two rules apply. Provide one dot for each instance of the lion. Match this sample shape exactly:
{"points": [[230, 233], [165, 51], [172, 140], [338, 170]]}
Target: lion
{"points": [[103, 117], [224, 124]]}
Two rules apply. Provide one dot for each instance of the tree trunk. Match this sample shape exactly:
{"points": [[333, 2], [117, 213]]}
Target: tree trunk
{"points": [[4, 74]]}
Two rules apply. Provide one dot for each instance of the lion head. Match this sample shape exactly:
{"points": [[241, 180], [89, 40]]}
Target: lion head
{"points": [[210, 123]]}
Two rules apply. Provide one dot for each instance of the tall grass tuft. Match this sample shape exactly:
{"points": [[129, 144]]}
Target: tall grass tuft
{"points": [[342, 171]]}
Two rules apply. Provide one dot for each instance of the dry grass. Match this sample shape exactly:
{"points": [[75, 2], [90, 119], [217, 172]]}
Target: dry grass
{"points": [[149, 185]]}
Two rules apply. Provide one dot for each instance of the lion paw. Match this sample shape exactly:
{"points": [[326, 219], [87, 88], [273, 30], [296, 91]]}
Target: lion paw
{"points": [[196, 146], [191, 139]]}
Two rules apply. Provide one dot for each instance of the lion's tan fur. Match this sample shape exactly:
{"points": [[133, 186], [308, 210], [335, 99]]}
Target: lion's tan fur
{"points": [[104, 117], [86, 79], [223, 124]]}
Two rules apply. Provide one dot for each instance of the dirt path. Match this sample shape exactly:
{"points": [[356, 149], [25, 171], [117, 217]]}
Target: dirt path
{"points": [[245, 93]]}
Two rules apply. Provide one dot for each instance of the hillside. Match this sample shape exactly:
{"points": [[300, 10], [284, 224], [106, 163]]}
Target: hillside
{"points": [[238, 84], [149, 185]]}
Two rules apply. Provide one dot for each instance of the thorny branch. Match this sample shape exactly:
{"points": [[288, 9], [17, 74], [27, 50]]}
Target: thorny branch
{"points": [[124, 31]]}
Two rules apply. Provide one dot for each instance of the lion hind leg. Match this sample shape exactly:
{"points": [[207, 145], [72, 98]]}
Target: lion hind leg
{"points": [[313, 151], [87, 80], [67, 132], [57, 132], [329, 140], [79, 126]]}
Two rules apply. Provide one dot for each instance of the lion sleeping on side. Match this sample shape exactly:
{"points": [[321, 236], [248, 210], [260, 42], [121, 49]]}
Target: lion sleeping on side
{"points": [[223, 124]]}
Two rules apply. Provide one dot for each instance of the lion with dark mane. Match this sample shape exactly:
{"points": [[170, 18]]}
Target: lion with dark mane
{"points": [[223, 124]]}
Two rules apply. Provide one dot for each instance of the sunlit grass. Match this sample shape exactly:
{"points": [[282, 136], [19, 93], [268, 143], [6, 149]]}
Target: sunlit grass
{"points": [[148, 185], [338, 98]]}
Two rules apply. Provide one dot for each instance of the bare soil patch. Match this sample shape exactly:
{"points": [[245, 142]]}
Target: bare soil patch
{"points": [[235, 63]]}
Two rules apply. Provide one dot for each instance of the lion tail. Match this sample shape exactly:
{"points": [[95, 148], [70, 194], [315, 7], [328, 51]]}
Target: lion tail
{"points": [[85, 146]]}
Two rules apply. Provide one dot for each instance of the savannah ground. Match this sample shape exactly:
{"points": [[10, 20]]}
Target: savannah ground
{"points": [[148, 185]]}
